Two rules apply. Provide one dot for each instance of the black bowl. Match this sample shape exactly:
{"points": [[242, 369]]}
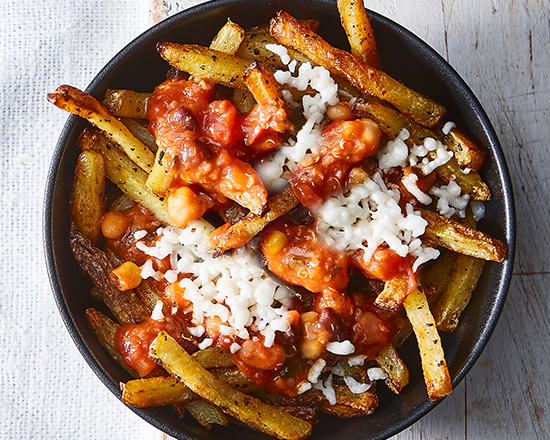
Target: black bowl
{"points": [[405, 57]]}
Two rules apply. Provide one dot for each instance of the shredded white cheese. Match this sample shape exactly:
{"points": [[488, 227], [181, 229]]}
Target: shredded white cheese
{"points": [[157, 314], [233, 288], [341, 348]]}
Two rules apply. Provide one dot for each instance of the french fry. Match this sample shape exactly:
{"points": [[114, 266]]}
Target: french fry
{"points": [[161, 176], [104, 329], [120, 170], [356, 23], [88, 191], [154, 391], [126, 103], [213, 357], [460, 238], [245, 408], [243, 231], [457, 293], [394, 367], [262, 84], [391, 122], [467, 154], [288, 31], [437, 277], [349, 404], [125, 306], [205, 413], [202, 62], [395, 291], [434, 366], [228, 39], [75, 101], [139, 128], [234, 377]]}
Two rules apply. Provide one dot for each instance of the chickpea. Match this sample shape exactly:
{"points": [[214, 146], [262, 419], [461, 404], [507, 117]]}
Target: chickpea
{"points": [[127, 276], [315, 337], [184, 206], [339, 111], [114, 224]]}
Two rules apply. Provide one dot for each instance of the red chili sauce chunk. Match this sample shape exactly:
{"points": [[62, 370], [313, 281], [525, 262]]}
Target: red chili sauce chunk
{"points": [[133, 340], [297, 255], [343, 144], [206, 140]]}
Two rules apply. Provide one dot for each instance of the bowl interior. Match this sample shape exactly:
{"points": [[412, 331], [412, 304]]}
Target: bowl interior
{"points": [[403, 56]]}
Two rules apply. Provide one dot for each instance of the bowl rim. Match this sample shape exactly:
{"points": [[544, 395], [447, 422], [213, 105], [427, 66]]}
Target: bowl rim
{"points": [[418, 44]]}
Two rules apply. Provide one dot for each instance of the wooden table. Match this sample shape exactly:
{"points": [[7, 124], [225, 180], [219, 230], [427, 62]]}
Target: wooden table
{"points": [[502, 50]]}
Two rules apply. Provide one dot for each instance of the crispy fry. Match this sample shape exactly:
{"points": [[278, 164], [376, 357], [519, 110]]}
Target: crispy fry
{"points": [[206, 414], [213, 357], [120, 170], [436, 278], [263, 85], [161, 176], [126, 103], [391, 122], [394, 293], [139, 128], [287, 30], [74, 101], [245, 408], [457, 294], [240, 233], [104, 329], [203, 62], [154, 391], [434, 366], [229, 38], [356, 23], [467, 154], [125, 306], [233, 376], [88, 191], [460, 238], [395, 368], [351, 405]]}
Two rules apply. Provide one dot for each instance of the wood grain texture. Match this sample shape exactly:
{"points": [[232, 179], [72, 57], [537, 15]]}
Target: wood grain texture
{"points": [[501, 48]]}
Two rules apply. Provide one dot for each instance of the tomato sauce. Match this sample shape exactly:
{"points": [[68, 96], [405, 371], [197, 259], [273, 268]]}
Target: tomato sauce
{"points": [[343, 144]]}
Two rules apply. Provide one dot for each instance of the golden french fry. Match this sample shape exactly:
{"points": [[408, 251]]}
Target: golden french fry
{"points": [[349, 404], [243, 231], [139, 128], [161, 176], [391, 122], [395, 368], [234, 403], [229, 38], [213, 357], [154, 391], [202, 62], [263, 85], [234, 377], [467, 154], [288, 31], [460, 238], [457, 294], [126, 103], [75, 101], [356, 23], [104, 329], [88, 191], [434, 366], [394, 293], [436, 278], [120, 170]]}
